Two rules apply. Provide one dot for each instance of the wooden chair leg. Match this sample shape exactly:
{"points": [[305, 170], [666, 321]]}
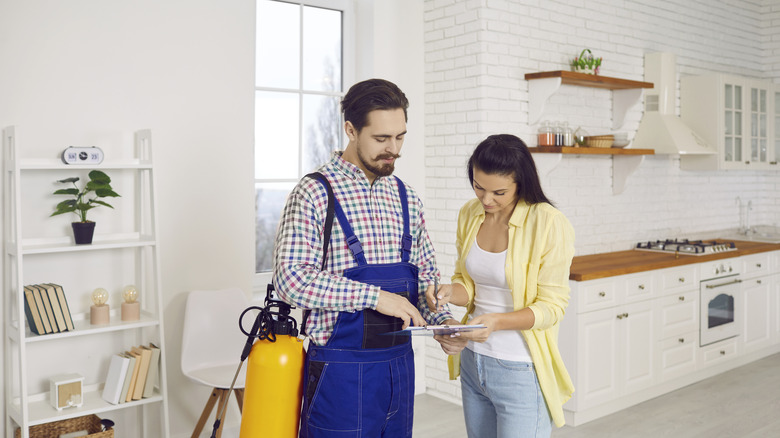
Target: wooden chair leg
{"points": [[239, 393], [204, 416], [223, 397]]}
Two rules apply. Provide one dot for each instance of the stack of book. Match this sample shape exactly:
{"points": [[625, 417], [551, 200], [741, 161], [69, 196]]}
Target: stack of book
{"points": [[47, 309], [132, 375]]}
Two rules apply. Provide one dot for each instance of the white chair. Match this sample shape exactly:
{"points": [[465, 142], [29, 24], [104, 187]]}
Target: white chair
{"points": [[211, 347]]}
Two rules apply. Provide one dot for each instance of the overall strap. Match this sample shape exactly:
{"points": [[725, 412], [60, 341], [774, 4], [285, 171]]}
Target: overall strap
{"points": [[326, 229], [352, 241], [406, 241]]}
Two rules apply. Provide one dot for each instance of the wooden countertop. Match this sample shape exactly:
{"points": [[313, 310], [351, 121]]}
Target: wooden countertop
{"points": [[610, 264]]}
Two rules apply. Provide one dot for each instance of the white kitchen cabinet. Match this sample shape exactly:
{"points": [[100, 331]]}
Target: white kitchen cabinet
{"points": [[757, 330], [775, 128], [718, 353], [38, 249], [676, 356], [614, 338], [734, 115]]}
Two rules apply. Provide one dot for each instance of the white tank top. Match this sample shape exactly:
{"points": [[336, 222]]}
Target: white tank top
{"points": [[493, 296]]}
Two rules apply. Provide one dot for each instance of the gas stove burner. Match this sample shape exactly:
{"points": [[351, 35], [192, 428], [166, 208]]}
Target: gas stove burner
{"points": [[685, 246]]}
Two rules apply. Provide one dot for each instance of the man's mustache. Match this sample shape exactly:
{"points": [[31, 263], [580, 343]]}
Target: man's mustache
{"points": [[388, 156]]}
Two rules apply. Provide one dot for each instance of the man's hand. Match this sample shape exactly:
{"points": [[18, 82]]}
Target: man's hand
{"points": [[398, 306]]}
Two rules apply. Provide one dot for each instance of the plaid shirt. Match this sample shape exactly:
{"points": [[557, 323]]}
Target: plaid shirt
{"points": [[376, 217]]}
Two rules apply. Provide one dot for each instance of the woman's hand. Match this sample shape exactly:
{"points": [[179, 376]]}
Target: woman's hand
{"points": [[490, 320], [453, 343], [444, 297]]}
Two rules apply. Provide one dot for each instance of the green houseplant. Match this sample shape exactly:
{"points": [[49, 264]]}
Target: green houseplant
{"points": [[586, 63], [84, 199]]}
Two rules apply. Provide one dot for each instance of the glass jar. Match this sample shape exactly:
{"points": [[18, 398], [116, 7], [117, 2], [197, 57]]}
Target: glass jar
{"points": [[558, 132], [546, 136], [568, 135], [580, 136]]}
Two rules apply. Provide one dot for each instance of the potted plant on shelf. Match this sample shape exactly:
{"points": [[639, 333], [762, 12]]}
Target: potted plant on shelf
{"points": [[586, 63], [99, 186]]}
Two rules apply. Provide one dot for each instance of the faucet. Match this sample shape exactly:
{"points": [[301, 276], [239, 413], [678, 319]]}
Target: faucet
{"points": [[744, 217]]}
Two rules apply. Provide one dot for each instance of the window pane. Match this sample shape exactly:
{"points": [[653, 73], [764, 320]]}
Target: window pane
{"points": [[321, 130], [278, 42], [269, 202], [729, 96], [276, 135], [321, 49]]}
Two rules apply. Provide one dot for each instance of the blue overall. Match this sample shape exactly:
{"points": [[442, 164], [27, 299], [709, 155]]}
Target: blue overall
{"points": [[361, 383]]}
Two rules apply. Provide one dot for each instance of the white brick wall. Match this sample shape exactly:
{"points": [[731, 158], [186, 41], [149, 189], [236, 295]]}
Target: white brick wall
{"points": [[477, 52]]}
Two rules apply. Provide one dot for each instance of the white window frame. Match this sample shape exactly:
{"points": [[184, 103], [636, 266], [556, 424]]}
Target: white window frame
{"points": [[348, 68]]}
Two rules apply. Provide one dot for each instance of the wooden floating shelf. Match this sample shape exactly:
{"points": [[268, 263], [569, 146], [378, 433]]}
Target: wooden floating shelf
{"points": [[589, 150], [586, 80]]}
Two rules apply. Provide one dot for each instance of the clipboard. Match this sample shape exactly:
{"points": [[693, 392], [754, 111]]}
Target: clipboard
{"points": [[431, 330]]}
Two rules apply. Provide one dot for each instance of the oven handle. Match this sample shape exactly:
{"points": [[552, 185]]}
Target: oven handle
{"points": [[713, 286]]}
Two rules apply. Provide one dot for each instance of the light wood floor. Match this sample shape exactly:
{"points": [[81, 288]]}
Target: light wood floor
{"points": [[741, 403]]}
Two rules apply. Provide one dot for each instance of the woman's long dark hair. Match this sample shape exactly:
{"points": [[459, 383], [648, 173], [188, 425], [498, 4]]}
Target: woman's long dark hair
{"points": [[505, 154]]}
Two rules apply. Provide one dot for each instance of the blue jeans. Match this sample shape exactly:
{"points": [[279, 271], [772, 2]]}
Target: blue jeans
{"points": [[502, 398]]}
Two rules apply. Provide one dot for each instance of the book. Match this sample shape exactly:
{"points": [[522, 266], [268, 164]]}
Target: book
{"points": [[128, 377], [31, 311], [145, 357], [115, 379], [41, 309], [64, 305], [154, 370], [47, 305], [55, 306], [134, 377]]}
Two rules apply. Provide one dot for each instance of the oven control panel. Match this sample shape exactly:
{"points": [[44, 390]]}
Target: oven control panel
{"points": [[720, 268]]}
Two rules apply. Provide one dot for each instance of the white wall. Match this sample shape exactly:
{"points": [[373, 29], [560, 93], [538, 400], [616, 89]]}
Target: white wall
{"points": [[184, 69], [477, 54]]}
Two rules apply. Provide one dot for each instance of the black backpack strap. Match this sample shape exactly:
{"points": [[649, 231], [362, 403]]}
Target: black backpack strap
{"points": [[325, 230]]}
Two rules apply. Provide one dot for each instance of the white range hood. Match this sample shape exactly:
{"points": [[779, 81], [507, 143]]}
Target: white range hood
{"points": [[660, 129]]}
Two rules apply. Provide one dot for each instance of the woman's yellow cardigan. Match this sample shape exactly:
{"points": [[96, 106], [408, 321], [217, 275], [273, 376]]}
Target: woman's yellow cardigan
{"points": [[541, 247]]}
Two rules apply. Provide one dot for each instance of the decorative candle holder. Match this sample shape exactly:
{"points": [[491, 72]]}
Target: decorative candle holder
{"points": [[131, 308], [99, 311]]}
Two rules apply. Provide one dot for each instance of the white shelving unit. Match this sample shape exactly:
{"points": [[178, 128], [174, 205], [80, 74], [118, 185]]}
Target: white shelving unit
{"points": [[113, 260]]}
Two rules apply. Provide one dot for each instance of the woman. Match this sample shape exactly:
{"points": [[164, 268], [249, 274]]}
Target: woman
{"points": [[512, 275]]}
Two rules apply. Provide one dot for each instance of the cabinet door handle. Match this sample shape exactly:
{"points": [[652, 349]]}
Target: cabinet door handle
{"points": [[758, 265], [681, 340], [641, 287], [681, 279], [622, 315], [682, 298], [758, 281], [602, 294], [722, 352]]}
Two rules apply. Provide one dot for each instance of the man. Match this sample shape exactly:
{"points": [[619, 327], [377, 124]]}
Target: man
{"points": [[358, 378]]}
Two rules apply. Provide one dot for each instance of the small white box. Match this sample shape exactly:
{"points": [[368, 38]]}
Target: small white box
{"points": [[65, 391]]}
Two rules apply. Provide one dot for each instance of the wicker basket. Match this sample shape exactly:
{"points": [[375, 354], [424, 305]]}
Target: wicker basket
{"points": [[600, 141], [90, 423]]}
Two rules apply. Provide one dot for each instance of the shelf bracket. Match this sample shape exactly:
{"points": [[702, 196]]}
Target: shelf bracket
{"points": [[622, 101], [539, 90], [545, 163], [622, 167]]}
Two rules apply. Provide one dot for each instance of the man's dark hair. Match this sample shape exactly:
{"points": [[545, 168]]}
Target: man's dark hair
{"points": [[505, 154], [370, 95]]}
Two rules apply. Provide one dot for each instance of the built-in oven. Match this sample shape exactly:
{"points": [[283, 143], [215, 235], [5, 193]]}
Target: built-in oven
{"points": [[719, 316]]}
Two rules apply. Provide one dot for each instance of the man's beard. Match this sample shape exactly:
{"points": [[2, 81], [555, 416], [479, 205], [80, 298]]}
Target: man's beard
{"points": [[378, 169]]}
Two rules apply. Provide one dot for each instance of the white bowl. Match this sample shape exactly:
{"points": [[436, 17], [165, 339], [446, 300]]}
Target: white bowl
{"points": [[620, 143]]}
